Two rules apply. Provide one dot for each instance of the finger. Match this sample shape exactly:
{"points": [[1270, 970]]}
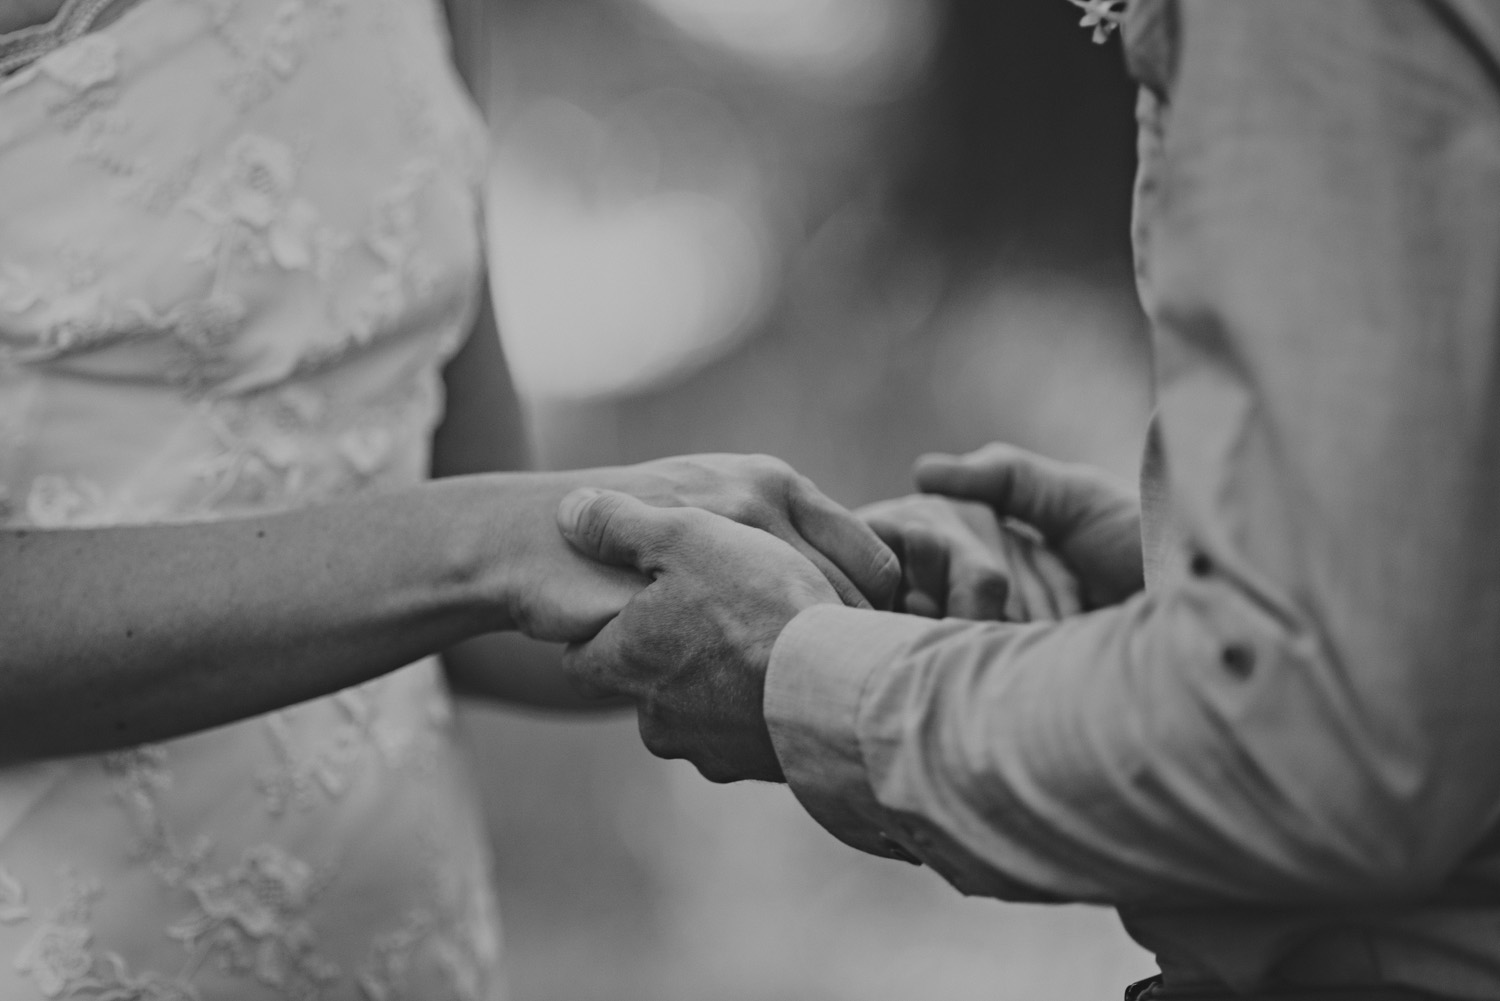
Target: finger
{"points": [[1061, 585], [578, 601], [846, 543], [787, 530], [1053, 496], [1043, 602], [887, 531], [1049, 569], [587, 688], [597, 668], [894, 536], [1047, 587], [613, 527], [977, 591], [918, 603], [926, 571], [1028, 601], [848, 592]]}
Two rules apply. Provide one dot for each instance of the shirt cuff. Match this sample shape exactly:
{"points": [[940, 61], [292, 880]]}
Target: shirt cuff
{"points": [[820, 668]]}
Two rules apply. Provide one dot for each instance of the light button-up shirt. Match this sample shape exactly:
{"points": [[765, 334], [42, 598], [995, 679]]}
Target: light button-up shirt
{"points": [[1282, 760]]}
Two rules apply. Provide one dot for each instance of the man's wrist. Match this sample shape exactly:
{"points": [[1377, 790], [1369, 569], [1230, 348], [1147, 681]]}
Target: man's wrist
{"points": [[820, 669]]}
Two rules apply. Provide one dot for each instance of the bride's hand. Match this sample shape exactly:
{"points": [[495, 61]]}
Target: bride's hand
{"points": [[763, 492], [553, 593]]}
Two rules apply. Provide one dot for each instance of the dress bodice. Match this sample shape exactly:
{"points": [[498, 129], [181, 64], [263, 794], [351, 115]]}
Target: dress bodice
{"points": [[238, 240]]}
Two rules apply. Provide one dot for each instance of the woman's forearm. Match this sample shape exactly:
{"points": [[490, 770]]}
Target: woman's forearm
{"points": [[114, 636]]}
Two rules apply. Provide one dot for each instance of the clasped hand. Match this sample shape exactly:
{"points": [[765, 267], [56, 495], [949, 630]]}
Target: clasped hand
{"points": [[554, 593], [692, 647]]}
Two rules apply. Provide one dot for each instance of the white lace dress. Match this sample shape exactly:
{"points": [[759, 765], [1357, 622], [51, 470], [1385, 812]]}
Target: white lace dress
{"points": [[238, 238]]}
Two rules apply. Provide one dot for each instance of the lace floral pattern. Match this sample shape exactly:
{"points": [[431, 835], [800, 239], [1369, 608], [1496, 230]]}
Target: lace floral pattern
{"points": [[253, 920], [12, 899], [60, 957], [61, 501], [223, 290], [266, 60], [256, 216], [307, 774], [454, 935]]}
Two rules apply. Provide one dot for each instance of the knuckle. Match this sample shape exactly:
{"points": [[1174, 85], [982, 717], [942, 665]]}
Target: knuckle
{"points": [[887, 571], [921, 539], [672, 530], [656, 735], [747, 509], [771, 465], [682, 528], [930, 506], [803, 485], [996, 453], [913, 509], [990, 586], [771, 471], [715, 771]]}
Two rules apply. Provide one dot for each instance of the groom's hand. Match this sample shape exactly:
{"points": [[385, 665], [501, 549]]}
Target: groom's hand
{"points": [[1088, 518], [960, 559], [692, 648]]}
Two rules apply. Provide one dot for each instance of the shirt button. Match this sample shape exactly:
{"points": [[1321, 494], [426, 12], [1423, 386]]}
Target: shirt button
{"points": [[1239, 660]]}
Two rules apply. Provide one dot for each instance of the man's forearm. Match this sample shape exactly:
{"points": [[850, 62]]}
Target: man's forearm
{"points": [[1181, 749]]}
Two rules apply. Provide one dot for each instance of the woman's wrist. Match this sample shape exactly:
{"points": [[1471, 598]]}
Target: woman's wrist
{"points": [[503, 560], [469, 566]]}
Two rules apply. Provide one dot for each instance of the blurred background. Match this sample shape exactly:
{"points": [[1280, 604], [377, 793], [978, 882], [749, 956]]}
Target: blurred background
{"points": [[843, 232]]}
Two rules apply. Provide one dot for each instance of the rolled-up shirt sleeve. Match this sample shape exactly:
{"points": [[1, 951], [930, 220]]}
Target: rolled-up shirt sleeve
{"points": [[1306, 712]]}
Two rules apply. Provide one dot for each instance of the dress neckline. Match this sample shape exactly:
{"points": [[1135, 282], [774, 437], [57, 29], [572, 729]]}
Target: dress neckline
{"points": [[73, 19]]}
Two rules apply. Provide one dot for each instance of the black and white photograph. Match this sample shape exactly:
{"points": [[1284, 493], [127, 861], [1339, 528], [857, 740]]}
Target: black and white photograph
{"points": [[749, 500]]}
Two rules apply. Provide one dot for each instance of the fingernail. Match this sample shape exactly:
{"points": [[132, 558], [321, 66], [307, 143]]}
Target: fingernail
{"points": [[570, 509]]}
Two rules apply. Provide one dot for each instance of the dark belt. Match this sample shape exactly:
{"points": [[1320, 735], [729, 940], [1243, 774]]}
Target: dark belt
{"points": [[1152, 989]]}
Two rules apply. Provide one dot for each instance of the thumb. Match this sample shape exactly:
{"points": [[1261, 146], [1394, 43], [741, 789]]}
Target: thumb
{"points": [[612, 527], [1053, 497], [587, 665]]}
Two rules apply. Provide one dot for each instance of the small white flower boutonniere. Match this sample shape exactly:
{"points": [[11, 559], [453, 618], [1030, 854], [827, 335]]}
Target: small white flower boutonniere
{"points": [[1103, 16]]}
